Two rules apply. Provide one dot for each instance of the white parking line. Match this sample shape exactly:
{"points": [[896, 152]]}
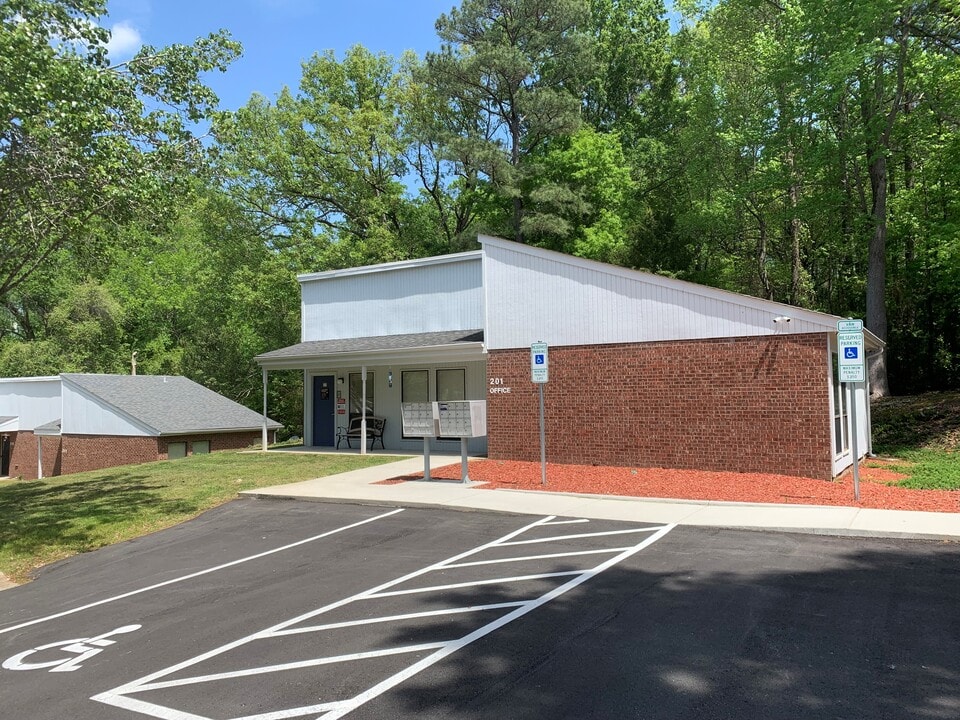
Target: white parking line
{"points": [[526, 558], [197, 574], [121, 696], [395, 618], [560, 538], [455, 586]]}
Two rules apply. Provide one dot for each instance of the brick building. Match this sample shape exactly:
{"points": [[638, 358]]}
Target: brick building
{"points": [[73, 422], [645, 370]]}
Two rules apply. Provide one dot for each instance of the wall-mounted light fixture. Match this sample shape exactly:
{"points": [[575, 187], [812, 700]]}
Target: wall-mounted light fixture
{"points": [[389, 378], [339, 381], [781, 319]]}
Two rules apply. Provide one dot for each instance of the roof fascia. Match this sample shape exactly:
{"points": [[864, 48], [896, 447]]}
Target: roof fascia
{"points": [[272, 425], [464, 352], [45, 378], [388, 267]]}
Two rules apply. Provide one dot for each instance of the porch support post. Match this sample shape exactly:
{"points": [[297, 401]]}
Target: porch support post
{"points": [[263, 427], [39, 456], [363, 410]]}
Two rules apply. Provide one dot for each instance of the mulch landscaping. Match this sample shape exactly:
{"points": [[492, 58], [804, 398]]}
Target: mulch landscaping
{"points": [[875, 488]]}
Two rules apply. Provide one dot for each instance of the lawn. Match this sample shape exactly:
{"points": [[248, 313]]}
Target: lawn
{"points": [[46, 520], [922, 434]]}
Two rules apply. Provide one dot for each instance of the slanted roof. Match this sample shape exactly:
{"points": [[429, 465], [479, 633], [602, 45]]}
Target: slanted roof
{"points": [[383, 344], [50, 428], [168, 404]]}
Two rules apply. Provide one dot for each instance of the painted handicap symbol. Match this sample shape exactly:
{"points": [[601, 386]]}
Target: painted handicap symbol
{"points": [[82, 649]]}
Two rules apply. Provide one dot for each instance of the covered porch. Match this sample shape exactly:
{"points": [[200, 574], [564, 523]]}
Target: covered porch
{"points": [[356, 379]]}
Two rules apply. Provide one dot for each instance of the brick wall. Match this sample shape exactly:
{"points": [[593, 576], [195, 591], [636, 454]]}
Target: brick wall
{"points": [[734, 404], [23, 455], [79, 453], [95, 452], [218, 441]]}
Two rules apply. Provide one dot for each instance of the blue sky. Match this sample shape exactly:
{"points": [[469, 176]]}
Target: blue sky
{"points": [[277, 35]]}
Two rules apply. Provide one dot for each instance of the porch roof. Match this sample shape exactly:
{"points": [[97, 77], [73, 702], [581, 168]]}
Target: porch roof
{"points": [[313, 352]]}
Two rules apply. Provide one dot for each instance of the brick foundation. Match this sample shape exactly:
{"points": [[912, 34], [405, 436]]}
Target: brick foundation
{"points": [[23, 455], [731, 404], [78, 453]]}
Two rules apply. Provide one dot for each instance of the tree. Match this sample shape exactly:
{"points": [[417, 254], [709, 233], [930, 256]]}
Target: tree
{"points": [[519, 66], [83, 141], [327, 167]]}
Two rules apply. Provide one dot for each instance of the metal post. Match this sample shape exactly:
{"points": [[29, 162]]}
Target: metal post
{"points": [[464, 473], [363, 410], [543, 442], [263, 435], [853, 444], [426, 458]]}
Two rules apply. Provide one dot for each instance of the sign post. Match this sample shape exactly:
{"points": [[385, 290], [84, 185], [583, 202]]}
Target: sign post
{"points": [[850, 358], [540, 374]]}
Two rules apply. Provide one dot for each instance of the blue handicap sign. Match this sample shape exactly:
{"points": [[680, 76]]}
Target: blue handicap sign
{"points": [[850, 353], [538, 359]]}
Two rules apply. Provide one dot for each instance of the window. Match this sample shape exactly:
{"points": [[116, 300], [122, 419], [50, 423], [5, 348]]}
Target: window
{"points": [[356, 394], [414, 387], [200, 447], [451, 385], [176, 450], [840, 411]]}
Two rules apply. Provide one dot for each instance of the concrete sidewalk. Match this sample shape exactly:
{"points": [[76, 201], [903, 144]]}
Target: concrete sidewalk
{"points": [[360, 486]]}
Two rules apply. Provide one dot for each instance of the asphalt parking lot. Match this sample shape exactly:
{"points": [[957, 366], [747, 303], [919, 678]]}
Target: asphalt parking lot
{"points": [[287, 609]]}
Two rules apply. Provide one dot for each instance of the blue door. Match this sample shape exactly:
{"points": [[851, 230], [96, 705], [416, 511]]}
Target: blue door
{"points": [[324, 409]]}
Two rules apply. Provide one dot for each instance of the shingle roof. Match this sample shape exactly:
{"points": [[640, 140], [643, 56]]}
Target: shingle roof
{"points": [[380, 342], [169, 404], [50, 428]]}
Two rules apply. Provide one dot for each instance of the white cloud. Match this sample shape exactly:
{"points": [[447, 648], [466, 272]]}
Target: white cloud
{"points": [[124, 42]]}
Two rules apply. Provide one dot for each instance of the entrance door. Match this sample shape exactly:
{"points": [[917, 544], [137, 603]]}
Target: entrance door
{"points": [[324, 409], [4, 455]]}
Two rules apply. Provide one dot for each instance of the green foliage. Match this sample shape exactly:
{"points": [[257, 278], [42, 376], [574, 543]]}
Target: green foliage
{"points": [[516, 69], [81, 140]]}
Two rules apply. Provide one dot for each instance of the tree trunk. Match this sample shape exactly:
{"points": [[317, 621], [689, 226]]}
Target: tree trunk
{"points": [[877, 272]]}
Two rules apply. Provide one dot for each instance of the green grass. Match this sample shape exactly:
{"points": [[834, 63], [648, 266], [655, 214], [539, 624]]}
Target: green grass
{"points": [[42, 521], [924, 432]]}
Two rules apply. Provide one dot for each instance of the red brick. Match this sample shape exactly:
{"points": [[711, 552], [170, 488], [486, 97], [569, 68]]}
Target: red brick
{"points": [[754, 404]]}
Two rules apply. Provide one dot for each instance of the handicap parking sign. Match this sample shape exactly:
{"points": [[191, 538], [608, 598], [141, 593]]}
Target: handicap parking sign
{"points": [[850, 353], [538, 359]]}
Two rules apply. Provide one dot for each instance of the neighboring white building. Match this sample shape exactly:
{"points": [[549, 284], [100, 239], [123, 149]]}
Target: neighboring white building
{"points": [[74, 422]]}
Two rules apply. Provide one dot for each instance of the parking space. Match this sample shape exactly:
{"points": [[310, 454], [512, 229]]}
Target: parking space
{"points": [[276, 622], [268, 610]]}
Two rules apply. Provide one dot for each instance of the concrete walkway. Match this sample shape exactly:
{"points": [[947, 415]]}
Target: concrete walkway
{"points": [[359, 486]]}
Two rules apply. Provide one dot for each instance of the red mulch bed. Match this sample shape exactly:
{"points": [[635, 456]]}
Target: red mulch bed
{"points": [[875, 492]]}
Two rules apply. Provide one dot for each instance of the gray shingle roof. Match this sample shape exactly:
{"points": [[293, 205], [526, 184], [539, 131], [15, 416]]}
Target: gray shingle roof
{"points": [[170, 404], [380, 342], [50, 428]]}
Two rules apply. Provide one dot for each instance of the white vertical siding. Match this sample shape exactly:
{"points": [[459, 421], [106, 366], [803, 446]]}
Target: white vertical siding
{"points": [[533, 294], [409, 298], [34, 401], [87, 415]]}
